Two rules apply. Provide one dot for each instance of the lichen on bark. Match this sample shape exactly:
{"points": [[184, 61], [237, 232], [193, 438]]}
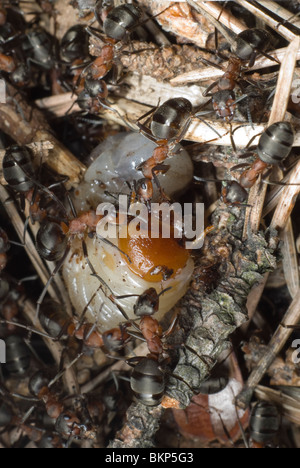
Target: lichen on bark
{"points": [[226, 270]]}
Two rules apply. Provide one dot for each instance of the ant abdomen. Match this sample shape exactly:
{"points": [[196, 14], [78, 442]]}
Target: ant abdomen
{"points": [[52, 320], [120, 20], [51, 241], [276, 143], [147, 382], [18, 170], [264, 422], [250, 41], [17, 355], [38, 381], [169, 118]]}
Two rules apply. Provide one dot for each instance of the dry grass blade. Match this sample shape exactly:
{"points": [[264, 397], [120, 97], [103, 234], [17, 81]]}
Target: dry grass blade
{"points": [[287, 200], [285, 79], [290, 259], [259, 13], [280, 11], [60, 105]]}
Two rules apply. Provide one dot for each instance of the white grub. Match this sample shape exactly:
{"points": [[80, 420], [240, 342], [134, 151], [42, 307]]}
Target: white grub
{"points": [[113, 269]]}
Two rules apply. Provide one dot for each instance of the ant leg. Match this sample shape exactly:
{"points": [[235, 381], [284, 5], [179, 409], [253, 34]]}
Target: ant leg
{"points": [[209, 126], [161, 168]]}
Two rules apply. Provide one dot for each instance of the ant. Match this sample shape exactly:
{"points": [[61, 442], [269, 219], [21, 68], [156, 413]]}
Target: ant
{"points": [[118, 24], [169, 124], [247, 45], [43, 438], [147, 379], [20, 175], [58, 326], [273, 147]]}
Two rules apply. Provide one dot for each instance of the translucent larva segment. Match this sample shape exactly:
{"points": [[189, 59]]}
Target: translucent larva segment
{"points": [[111, 266], [114, 162]]}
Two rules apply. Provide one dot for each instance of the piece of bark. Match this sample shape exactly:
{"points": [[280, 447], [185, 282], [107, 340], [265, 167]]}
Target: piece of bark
{"points": [[142, 424]]}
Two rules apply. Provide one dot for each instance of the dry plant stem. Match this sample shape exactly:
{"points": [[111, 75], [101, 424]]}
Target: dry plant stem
{"points": [[287, 200], [26, 124], [281, 29], [277, 342], [59, 105], [55, 348], [18, 224], [279, 11], [285, 79]]}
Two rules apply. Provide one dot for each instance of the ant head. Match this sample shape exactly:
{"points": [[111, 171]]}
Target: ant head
{"points": [[147, 303], [94, 87]]}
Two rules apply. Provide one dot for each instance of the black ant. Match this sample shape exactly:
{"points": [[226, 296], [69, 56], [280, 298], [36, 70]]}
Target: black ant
{"points": [[247, 45], [273, 147], [169, 124]]}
